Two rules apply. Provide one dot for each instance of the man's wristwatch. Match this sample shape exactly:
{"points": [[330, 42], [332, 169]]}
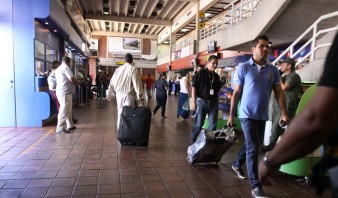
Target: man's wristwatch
{"points": [[268, 165]]}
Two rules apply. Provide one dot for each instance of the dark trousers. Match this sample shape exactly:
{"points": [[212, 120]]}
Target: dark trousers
{"points": [[161, 102], [177, 89], [170, 89], [276, 130]]}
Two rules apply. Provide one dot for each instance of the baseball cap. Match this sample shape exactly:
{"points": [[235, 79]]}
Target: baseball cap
{"points": [[290, 61]]}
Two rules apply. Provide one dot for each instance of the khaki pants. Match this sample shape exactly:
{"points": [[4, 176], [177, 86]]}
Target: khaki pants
{"points": [[122, 100], [65, 116]]}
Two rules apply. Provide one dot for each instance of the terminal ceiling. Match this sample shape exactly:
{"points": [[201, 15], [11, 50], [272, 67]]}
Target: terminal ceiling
{"points": [[143, 18]]}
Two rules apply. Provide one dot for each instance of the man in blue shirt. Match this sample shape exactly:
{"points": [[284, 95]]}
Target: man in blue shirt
{"points": [[254, 81]]}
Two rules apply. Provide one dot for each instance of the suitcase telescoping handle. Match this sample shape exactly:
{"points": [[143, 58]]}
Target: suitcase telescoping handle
{"points": [[223, 130]]}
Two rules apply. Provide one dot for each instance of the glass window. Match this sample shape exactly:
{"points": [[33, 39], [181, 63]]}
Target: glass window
{"points": [[49, 67], [39, 50], [40, 68], [51, 54]]}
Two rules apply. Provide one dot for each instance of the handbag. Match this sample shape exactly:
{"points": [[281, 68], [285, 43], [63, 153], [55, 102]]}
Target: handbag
{"points": [[186, 105]]}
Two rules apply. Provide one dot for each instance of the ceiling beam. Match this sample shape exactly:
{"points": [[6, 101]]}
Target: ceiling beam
{"points": [[121, 34], [128, 19]]}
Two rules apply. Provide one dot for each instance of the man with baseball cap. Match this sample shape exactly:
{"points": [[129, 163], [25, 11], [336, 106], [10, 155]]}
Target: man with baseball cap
{"points": [[291, 85]]}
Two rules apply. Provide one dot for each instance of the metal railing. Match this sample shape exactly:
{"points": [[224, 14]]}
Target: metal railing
{"points": [[186, 42], [312, 41], [235, 12]]}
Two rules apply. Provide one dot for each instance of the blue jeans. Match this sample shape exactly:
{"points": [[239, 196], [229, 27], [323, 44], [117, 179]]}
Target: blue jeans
{"points": [[203, 108], [182, 97], [253, 134]]}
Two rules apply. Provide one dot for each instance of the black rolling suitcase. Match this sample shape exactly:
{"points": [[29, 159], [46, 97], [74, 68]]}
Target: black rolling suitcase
{"points": [[134, 126], [210, 146]]}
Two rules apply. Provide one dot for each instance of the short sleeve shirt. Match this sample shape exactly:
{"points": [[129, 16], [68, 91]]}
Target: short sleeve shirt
{"points": [[291, 95], [257, 87], [62, 75], [330, 74], [161, 86], [204, 81]]}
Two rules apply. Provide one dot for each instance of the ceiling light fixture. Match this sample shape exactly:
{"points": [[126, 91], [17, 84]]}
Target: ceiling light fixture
{"points": [[184, 30], [159, 6], [46, 23], [130, 12], [132, 4], [207, 14], [153, 14], [106, 11]]}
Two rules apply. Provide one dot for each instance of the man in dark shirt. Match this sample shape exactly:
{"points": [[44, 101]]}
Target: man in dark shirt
{"points": [[204, 98], [291, 85], [161, 87]]}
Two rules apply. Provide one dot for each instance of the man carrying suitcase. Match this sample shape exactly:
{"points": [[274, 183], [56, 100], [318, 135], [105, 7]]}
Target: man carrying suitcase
{"points": [[126, 85]]}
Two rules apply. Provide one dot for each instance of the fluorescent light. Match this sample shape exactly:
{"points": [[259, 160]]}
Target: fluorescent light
{"points": [[207, 14], [106, 11], [184, 30]]}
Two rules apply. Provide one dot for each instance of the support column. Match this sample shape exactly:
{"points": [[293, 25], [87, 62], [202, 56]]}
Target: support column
{"points": [[172, 43], [200, 22]]}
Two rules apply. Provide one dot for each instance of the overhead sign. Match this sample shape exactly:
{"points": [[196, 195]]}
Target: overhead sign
{"points": [[120, 62], [201, 14], [201, 19]]}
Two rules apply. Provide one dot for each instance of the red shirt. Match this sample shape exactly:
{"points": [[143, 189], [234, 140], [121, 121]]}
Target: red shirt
{"points": [[149, 82]]}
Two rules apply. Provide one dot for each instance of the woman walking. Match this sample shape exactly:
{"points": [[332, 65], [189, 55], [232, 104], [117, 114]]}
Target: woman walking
{"points": [[182, 97]]}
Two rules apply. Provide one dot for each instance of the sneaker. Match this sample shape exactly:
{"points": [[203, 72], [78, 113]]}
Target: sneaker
{"points": [[63, 131], [267, 148], [258, 192], [181, 118], [239, 172], [71, 128]]}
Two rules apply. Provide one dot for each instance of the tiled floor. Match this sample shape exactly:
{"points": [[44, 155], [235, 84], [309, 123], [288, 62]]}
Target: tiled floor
{"points": [[37, 162]]}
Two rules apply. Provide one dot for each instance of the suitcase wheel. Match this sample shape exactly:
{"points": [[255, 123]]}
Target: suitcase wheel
{"points": [[134, 144]]}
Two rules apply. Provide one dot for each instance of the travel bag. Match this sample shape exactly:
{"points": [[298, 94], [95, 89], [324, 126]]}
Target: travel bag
{"points": [[134, 126], [210, 146]]}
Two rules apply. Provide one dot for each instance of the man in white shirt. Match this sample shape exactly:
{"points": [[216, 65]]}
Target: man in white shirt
{"points": [[126, 85], [64, 90]]}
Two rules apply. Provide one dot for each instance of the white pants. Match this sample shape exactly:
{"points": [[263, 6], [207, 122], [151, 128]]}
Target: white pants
{"points": [[123, 100], [65, 116]]}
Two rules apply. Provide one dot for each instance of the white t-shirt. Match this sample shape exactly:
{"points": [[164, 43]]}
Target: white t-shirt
{"points": [[63, 74], [183, 88], [51, 81]]}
